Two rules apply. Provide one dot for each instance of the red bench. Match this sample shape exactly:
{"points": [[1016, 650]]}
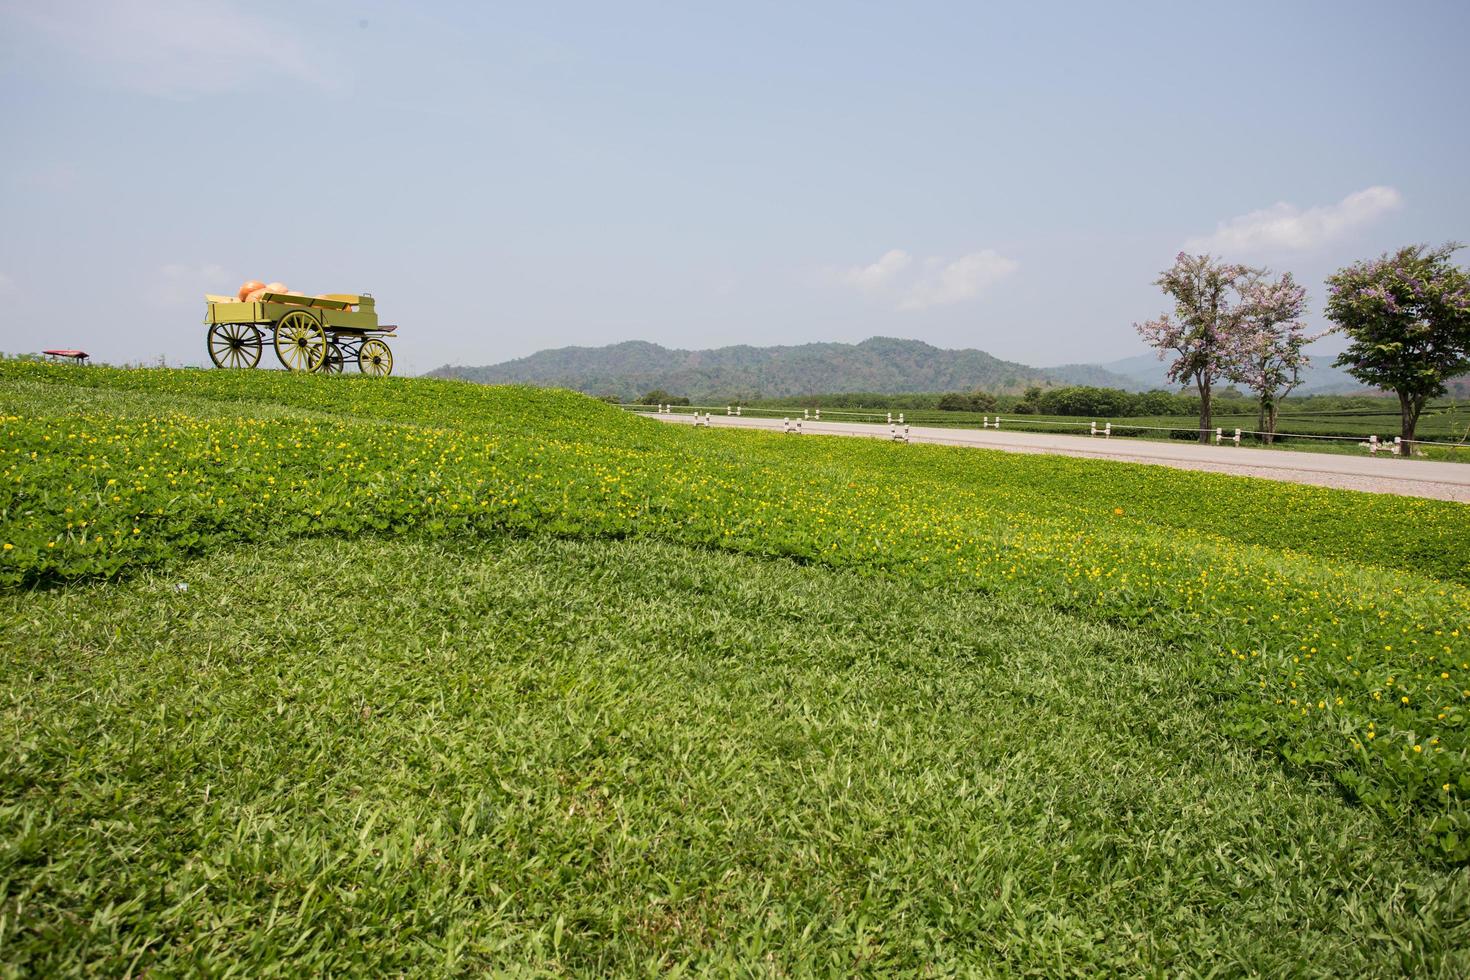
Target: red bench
{"points": [[80, 356]]}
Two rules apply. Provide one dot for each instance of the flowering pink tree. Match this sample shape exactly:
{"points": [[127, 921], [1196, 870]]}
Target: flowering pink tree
{"points": [[1408, 317], [1267, 355], [1206, 329]]}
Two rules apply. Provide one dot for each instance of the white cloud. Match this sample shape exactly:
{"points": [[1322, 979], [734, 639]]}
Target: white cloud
{"points": [[871, 278], [935, 282], [1286, 227], [179, 284], [943, 283], [172, 48]]}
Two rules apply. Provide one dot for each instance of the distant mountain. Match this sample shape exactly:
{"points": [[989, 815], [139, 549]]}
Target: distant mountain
{"points": [[1133, 373], [880, 364]]}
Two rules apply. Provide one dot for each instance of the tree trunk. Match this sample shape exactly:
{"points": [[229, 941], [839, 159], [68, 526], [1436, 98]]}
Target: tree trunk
{"points": [[1266, 422], [1409, 408], [1206, 418]]}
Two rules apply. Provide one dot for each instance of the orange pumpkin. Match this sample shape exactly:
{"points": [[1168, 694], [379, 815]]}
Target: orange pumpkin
{"points": [[247, 288], [255, 294]]}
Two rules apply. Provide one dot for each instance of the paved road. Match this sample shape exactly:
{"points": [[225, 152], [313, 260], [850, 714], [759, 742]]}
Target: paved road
{"points": [[1383, 473]]}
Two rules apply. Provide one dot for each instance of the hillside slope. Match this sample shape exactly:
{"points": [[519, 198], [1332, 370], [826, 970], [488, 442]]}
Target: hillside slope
{"points": [[880, 364]]}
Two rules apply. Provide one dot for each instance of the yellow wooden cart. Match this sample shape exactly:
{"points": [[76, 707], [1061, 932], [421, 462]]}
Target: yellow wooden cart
{"points": [[309, 333]]}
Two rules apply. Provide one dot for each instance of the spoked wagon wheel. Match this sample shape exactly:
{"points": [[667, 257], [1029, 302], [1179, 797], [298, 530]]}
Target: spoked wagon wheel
{"points": [[335, 359], [375, 358], [234, 345], [300, 343]]}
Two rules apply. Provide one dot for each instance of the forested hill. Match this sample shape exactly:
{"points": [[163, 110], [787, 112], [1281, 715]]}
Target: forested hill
{"points": [[880, 364]]}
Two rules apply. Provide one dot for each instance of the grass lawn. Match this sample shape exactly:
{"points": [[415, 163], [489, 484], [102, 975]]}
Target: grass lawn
{"points": [[629, 756], [474, 678]]}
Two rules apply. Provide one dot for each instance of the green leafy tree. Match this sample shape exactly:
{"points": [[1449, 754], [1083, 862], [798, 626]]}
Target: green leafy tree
{"points": [[1408, 317], [660, 397], [1155, 402], [1084, 400], [982, 401]]}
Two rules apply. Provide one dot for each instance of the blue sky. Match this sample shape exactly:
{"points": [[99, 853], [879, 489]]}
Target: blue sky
{"points": [[510, 177]]}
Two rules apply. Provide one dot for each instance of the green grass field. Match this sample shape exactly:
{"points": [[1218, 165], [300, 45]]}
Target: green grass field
{"points": [[328, 675]]}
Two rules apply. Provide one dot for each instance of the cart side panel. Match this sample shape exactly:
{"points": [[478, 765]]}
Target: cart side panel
{"points": [[346, 320], [234, 313]]}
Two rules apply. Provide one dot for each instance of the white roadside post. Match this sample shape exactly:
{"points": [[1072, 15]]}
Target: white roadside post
{"points": [[1237, 437], [900, 418], [737, 411], [819, 415], [890, 418], [1398, 445], [805, 414], [1108, 431], [1217, 437], [729, 411], [1094, 429], [1372, 445]]}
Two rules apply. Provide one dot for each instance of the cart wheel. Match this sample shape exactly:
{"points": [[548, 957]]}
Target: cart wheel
{"points": [[300, 343], [375, 358], [234, 345], [335, 359]]}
